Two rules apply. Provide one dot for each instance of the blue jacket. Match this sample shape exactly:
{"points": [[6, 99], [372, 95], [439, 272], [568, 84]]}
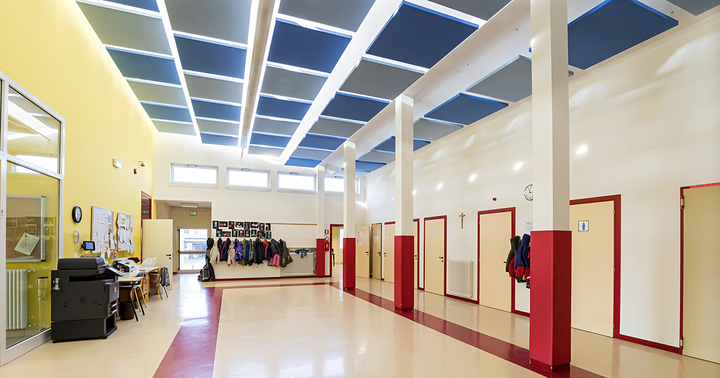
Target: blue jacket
{"points": [[522, 257]]}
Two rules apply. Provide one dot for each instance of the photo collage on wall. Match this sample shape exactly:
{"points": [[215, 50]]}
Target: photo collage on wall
{"points": [[239, 229]]}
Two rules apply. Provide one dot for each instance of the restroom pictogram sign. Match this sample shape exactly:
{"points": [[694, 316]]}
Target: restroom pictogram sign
{"points": [[583, 226]]}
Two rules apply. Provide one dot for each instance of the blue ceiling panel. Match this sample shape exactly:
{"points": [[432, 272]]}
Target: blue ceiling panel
{"points": [[169, 113], [310, 153], [268, 140], [389, 145], [420, 36], [353, 107], [367, 166], [321, 142], [297, 46], [484, 9], [378, 157], [300, 162], [428, 129], [222, 140], [140, 66], [207, 109], [211, 58], [273, 107], [150, 5], [611, 28], [346, 15], [465, 109], [696, 7]]}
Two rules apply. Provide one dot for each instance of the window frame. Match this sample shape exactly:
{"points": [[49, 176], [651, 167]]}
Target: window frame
{"points": [[357, 186], [172, 181], [266, 188], [291, 190]]}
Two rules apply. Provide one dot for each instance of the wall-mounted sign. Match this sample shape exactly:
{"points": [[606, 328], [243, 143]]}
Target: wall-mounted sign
{"points": [[192, 214], [583, 226]]}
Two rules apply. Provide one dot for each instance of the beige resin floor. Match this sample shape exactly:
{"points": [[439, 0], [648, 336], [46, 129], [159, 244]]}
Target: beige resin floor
{"points": [[302, 330]]}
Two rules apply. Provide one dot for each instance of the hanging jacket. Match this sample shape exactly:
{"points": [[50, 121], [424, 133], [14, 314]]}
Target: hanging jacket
{"points": [[238, 251], [276, 260], [214, 254], [231, 254], [259, 251], [248, 250], [274, 248], [514, 244], [285, 258], [210, 243], [225, 248], [522, 258]]}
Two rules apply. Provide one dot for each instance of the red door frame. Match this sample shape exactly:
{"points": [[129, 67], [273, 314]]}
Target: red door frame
{"points": [[444, 217], [682, 258], [382, 262], [511, 210], [331, 247], [417, 262], [381, 251]]}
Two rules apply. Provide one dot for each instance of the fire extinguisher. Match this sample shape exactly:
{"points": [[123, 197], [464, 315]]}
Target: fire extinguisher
{"points": [[327, 244]]}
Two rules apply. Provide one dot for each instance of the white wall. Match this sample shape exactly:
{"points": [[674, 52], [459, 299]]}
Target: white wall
{"points": [[243, 204], [651, 121]]}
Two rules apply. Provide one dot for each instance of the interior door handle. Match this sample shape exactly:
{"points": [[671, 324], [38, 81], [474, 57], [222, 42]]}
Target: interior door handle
{"points": [[168, 255]]}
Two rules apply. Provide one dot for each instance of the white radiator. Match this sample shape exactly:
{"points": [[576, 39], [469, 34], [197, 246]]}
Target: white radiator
{"points": [[460, 278], [16, 299], [301, 266]]}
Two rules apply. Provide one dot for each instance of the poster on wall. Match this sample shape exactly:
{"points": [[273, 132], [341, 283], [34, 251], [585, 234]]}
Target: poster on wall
{"points": [[102, 230], [125, 233]]}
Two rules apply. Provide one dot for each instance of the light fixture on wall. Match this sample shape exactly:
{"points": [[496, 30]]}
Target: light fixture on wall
{"points": [[439, 186], [582, 149], [189, 205], [518, 165], [473, 177]]}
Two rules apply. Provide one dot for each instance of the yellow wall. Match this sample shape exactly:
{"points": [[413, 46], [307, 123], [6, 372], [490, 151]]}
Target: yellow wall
{"points": [[337, 244], [49, 48]]}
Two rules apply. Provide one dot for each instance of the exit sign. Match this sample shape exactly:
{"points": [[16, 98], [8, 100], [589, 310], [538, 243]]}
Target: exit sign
{"points": [[193, 214]]}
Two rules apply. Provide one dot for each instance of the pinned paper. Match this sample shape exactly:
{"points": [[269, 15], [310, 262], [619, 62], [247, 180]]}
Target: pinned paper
{"points": [[26, 244]]}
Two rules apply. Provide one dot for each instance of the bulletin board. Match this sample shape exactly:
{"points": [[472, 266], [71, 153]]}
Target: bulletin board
{"points": [[25, 225], [125, 233], [102, 230]]}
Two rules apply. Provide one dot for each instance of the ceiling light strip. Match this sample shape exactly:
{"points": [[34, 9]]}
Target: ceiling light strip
{"points": [[122, 8], [216, 41], [217, 120], [296, 69], [213, 76], [216, 101], [139, 52], [307, 24], [261, 33], [164, 104], [395, 63], [159, 83]]}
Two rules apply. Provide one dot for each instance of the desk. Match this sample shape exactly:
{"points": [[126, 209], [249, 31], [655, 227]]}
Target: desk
{"points": [[126, 286], [143, 280]]}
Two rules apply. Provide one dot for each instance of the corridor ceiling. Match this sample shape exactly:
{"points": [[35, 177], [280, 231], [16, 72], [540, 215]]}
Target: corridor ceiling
{"points": [[328, 69]]}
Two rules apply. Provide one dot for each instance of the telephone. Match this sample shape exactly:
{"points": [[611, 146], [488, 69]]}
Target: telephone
{"points": [[76, 238]]}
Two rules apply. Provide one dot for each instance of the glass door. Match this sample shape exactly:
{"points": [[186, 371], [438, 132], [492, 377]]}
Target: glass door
{"points": [[192, 245]]}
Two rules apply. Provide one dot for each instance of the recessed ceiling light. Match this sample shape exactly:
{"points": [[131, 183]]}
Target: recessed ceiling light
{"points": [[439, 186], [518, 165], [473, 177], [189, 205], [414, 192], [582, 149]]}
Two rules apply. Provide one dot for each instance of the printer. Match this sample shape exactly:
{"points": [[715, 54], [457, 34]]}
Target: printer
{"points": [[84, 299]]}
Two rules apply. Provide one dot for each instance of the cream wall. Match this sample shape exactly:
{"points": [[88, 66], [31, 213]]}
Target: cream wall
{"points": [[651, 122], [242, 204], [49, 48]]}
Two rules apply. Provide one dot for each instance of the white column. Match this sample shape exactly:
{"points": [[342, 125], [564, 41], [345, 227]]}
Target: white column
{"points": [[349, 193], [403, 165], [551, 146], [320, 202]]}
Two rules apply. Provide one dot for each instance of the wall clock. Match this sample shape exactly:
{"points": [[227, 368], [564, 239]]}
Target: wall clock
{"points": [[76, 214], [528, 192]]}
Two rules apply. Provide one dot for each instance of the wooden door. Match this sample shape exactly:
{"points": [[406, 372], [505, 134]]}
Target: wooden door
{"points": [[376, 251], [389, 253], [416, 235], [593, 266], [362, 251], [435, 255], [157, 241], [494, 233], [701, 295]]}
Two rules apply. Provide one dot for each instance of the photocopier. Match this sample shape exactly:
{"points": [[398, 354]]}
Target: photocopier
{"points": [[84, 295]]}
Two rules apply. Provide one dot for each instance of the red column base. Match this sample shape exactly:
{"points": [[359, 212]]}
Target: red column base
{"points": [[348, 263], [549, 368], [550, 298], [404, 272], [320, 258]]}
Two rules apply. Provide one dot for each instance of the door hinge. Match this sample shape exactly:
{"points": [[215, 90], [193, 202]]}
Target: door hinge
{"points": [[681, 342], [614, 213], [613, 325], [682, 203]]}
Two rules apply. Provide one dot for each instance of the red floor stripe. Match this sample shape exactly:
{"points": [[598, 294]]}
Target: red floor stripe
{"points": [[192, 352], [499, 348]]}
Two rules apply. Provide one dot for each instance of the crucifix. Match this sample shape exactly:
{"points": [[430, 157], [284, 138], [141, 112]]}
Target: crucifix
{"points": [[462, 218]]}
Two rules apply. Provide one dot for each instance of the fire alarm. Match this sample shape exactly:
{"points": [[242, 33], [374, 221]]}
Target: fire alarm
{"points": [[135, 171], [494, 198]]}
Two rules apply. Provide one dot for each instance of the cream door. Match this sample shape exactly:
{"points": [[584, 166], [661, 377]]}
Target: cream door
{"points": [[592, 267], [435, 256], [389, 253], [157, 241], [701, 294], [416, 234], [362, 251], [494, 241], [376, 245]]}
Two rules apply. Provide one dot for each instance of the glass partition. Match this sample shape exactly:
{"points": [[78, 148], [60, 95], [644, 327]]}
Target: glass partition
{"points": [[192, 241], [33, 134], [31, 250]]}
